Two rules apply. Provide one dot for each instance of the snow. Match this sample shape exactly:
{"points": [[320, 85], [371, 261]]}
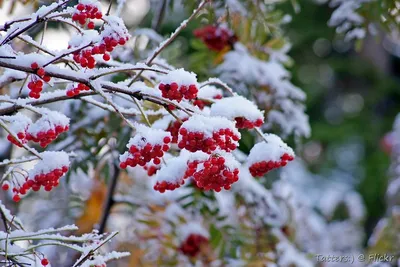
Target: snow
{"points": [[346, 19], [51, 160], [271, 149], [181, 77], [173, 171], [18, 122], [285, 99], [208, 125], [192, 228], [236, 107], [209, 92], [49, 120]]}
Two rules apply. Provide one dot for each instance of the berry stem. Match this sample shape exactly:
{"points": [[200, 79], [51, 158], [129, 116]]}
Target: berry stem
{"points": [[260, 133]]}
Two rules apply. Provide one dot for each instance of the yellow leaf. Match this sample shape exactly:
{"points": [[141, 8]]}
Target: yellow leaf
{"points": [[93, 208]]}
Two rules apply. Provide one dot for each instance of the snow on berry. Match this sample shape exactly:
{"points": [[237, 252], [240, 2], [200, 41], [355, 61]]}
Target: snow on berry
{"points": [[48, 127], [193, 236], [246, 114], [269, 154], [208, 92], [216, 37], [147, 144], [19, 125], [201, 133], [219, 171], [46, 173], [171, 175], [179, 84]]}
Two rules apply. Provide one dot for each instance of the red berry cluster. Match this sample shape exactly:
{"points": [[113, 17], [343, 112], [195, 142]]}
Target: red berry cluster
{"points": [[36, 85], [215, 175], [164, 185], [85, 57], [76, 90], [151, 169], [192, 245], [47, 180], [258, 169], [196, 141], [46, 137], [142, 155], [21, 136], [99, 265], [85, 13], [173, 128], [173, 91], [242, 123], [201, 103], [215, 38], [44, 262]]}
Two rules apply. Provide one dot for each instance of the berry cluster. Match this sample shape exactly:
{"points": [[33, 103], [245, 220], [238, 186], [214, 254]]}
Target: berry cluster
{"points": [[224, 138], [243, 123], [36, 85], [216, 38], [44, 138], [174, 91], [151, 169], [165, 185], [76, 90], [141, 155], [258, 169], [148, 144], [21, 136], [173, 128], [85, 57], [86, 12], [192, 245], [215, 175], [47, 180]]}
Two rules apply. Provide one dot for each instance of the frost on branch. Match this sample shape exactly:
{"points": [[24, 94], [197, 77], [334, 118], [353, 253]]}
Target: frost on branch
{"points": [[269, 154], [347, 20], [246, 113], [283, 100]]}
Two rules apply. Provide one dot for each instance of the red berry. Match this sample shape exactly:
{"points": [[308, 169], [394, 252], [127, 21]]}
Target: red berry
{"points": [[16, 198], [5, 186], [106, 57], [91, 25], [45, 261], [80, 7], [34, 66]]}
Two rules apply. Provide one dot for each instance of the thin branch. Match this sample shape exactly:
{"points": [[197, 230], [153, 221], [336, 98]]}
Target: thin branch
{"points": [[171, 38], [110, 199], [5, 127]]}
